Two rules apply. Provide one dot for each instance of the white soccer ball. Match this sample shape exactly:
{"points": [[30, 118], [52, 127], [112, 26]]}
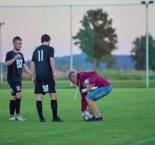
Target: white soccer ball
{"points": [[87, 114]]}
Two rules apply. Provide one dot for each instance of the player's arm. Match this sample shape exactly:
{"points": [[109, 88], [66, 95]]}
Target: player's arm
{"points": [[92, 80], [52, 63], [27, 69], [32, 69], [10, 62]]}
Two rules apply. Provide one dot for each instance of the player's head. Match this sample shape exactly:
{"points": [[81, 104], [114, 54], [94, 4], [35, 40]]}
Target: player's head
{"points": [[45, 39], [17, 43], [72, 75]]}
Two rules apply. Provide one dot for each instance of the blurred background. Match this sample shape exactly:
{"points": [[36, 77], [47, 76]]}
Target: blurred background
{"points": [[115, 38]]}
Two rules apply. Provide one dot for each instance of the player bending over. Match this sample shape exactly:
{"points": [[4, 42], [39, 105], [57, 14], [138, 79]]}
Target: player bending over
{"points": [[15, 62], [92, 87]]}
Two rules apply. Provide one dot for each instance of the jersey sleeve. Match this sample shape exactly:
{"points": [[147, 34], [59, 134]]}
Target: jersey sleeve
{"points": [[52, 52], [23, 59], [83, 102], [8, 56], [83, 95]]}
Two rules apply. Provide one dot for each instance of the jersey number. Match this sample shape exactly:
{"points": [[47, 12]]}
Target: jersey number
{"points": [[40, 55]]}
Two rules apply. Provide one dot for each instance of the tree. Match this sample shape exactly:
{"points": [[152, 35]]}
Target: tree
{"points": [[138, 53], [97, 38]]}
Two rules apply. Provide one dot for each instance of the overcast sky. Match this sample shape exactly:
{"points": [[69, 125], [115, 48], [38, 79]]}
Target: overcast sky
{"points": [[31, 22]]}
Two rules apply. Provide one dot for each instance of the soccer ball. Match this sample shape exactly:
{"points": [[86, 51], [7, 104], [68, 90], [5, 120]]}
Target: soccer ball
{"points": [[87, 114]]}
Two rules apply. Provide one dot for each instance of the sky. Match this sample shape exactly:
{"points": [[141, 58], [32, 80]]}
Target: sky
{"points": [[31, 22]]}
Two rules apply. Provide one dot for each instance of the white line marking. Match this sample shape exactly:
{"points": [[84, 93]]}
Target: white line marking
{"points": [[144, 141]]}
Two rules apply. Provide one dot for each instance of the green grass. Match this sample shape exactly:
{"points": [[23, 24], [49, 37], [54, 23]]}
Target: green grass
{"points": [[65, 84], [128, 120]]}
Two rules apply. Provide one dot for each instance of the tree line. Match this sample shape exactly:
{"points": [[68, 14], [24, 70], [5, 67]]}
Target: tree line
{"points": [[97, 38]]}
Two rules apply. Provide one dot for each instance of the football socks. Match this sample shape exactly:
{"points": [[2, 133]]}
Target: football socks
{"points": [[12, 107], [17, 102], [39, 109], [54, 107]]}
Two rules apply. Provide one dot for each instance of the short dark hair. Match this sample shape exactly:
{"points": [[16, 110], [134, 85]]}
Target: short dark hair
{"points": [[16, 38], [45, 38], [72, 72]]}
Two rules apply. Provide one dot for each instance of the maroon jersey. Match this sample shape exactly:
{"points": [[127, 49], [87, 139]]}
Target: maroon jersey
{"points": [[94, 80]]}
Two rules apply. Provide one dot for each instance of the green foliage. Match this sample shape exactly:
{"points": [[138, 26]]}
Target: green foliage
{"points": [[128, 120], [97, 38], [138, 52]]}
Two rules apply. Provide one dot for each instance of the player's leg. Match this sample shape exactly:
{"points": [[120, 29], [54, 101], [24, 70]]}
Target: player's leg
{"points": [[96, 95], [54, 107], [90, 98], [54, 104], [18, 104], [40, 108], [93, 108], [18, 92], [12, 107], [15, 99], [39, 92]]}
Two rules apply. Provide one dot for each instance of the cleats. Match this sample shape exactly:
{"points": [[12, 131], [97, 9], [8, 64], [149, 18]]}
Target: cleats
{"points": [[19, 118], [101, 119], [95, 119], [12, 118], [43, 120], [57, 119]]}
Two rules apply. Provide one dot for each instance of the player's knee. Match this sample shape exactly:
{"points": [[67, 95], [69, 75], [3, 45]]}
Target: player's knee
{"points": [[89, 100], [13, 98], [53, 96], [39, 97]]}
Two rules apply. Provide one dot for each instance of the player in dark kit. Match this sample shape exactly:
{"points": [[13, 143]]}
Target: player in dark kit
{"points": [[15, 62], [43, 75]]}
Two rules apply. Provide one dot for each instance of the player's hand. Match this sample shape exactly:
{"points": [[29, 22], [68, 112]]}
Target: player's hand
{"points": [[18, 56], [54, 75], [33, 80], [89, 87]]}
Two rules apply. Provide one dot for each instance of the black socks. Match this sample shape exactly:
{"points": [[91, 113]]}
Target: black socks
{"points": [[39, 109], [54, 107], [17, 105], [12, 107]]}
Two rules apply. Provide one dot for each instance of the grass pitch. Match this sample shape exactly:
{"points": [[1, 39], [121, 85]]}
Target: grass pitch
{"points": [[129, 119]]}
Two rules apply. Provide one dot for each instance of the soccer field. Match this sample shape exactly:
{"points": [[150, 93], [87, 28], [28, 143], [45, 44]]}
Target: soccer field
{"points": [[129, 119]]}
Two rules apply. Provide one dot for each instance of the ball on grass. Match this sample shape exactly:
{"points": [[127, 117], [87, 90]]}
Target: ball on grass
{"points": [[87, 114]]}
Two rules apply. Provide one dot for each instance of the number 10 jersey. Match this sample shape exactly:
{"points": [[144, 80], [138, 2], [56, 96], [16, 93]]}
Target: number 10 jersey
{"points": [[14, 70]]}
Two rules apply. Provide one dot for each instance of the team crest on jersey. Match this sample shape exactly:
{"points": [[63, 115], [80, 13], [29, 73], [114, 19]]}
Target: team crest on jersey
{"points": [[19, 63], [45, 88]]}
